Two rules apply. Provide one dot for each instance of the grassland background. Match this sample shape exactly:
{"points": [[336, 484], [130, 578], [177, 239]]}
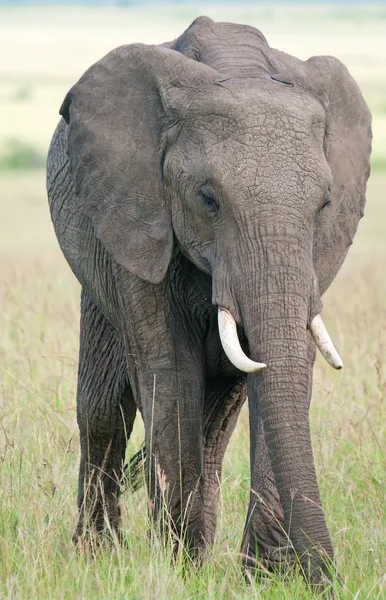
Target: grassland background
{"points": [[42, 53]]}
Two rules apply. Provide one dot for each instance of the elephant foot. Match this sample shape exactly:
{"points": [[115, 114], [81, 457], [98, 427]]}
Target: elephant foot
{"points": [[98, 523], [91, 542], [186, 547], [267, 548], [265, 543]]}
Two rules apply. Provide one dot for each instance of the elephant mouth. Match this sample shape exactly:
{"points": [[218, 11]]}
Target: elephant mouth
{"points": [[232, 348]]}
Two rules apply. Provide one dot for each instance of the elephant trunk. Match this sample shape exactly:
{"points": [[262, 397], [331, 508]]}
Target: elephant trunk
{"points": [[275, 307], [280, 395]]}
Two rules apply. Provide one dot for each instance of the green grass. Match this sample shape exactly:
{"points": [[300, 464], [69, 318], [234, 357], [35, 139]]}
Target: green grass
{"points": [[47, 50]]}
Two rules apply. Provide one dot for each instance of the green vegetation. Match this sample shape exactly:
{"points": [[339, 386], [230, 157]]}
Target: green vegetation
{"points": [[39, 307], [21, 155]]}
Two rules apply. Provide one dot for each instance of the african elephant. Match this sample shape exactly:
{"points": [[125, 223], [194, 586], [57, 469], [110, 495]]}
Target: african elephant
{"points": [[205, 193]]}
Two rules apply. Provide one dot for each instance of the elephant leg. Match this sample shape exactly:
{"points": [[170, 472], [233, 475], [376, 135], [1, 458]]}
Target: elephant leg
{"points": [[172, 413], [106, 413], [224, 397], [165, 357], [265, 538]]}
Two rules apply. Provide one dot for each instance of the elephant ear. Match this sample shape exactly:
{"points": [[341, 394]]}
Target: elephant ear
{"points": [[118, 115], [347, 147]]}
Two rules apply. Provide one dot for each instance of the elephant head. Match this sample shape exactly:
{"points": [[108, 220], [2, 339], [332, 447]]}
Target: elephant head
{"points": [[255, 165]]}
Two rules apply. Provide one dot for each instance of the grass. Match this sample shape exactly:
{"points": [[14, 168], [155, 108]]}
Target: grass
{"points": [[39, 305], [39, 450]]}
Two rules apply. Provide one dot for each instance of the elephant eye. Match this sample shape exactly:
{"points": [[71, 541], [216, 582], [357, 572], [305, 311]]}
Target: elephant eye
{"points": [[327, 200], [209, 202]]}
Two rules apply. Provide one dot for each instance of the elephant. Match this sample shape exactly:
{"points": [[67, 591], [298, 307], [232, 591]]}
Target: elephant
{"points": [[205, 193]]}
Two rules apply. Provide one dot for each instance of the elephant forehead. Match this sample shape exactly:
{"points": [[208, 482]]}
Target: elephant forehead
{"points": [[256, 117], [265, 135]]}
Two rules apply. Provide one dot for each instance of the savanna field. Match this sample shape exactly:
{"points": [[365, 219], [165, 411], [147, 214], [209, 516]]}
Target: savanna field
{"points": [[43, 51]]}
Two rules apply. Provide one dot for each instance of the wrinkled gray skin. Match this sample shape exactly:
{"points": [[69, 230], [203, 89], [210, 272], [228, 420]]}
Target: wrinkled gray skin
{"points": [[210, 171]]}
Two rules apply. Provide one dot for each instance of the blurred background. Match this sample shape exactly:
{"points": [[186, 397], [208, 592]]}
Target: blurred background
{"points": [[44, 49]]}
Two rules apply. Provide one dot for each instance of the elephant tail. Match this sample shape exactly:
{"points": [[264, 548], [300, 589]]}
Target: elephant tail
{"points": [[133, 474]]}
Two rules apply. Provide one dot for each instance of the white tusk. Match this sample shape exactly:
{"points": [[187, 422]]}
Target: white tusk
{"points": [[324, 343], [230, 343]]}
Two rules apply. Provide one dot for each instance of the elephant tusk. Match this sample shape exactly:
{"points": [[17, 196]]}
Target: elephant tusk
{"points": [[231, 345], [324, 343]]}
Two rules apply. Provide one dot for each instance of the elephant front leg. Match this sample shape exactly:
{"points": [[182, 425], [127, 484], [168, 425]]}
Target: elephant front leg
{"points": [[165, 355], [224, 398], [265, 539], [172, 412]]}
